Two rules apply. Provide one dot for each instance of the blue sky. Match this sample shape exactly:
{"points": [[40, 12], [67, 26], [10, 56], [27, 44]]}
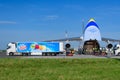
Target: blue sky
{"points": [[36, 20]]}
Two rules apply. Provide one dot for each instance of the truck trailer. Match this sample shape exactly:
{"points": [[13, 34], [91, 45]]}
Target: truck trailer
{"points": [[35, 48]]}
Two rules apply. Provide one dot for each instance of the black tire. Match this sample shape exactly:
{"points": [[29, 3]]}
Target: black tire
{"points": [[55, 54], [43, 54], [119, 54], [48, 54], [52, 54], [29, 54], [24, 54], [11, 54]]}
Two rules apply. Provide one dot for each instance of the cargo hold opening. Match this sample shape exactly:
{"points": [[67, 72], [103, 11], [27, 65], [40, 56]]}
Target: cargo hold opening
{"points": [[91, 47]]}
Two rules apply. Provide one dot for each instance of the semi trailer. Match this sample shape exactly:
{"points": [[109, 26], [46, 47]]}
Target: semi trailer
{"points": [[35, 48]]}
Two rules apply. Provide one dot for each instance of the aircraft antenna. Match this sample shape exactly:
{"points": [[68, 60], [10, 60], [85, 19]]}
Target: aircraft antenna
{"points": [[81, 42], [66, 36]]}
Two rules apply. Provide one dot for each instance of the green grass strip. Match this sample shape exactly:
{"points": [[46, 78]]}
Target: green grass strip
{"points": [[59, 69]]}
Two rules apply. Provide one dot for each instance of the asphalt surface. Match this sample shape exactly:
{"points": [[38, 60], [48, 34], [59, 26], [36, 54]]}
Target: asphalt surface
{"points": [[3, 55]]}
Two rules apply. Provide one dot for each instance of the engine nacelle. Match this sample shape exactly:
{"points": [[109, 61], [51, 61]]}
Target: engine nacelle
{"points": [[67, 45], [109, 46]]}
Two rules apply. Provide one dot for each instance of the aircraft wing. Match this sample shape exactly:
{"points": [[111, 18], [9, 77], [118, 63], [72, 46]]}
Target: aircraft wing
{"points": [[66, 39], [80, 39], [109, 39]]}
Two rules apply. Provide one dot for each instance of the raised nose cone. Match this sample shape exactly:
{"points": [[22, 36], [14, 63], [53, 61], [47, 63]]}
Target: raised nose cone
{"points": [[91, 20], [92, 31]]}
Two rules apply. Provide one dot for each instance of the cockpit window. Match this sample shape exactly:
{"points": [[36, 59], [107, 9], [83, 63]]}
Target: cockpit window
{"points": [[8, 47], [115, 47]]}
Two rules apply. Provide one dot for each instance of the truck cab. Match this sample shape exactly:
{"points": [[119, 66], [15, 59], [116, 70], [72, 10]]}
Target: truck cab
{"points": [[11, 48], [117, 49]]}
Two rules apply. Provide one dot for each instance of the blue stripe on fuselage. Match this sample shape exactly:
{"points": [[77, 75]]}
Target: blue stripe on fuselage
{"points": [[92, 23]]}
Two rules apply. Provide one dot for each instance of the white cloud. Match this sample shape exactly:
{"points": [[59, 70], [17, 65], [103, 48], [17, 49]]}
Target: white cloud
{"points": [[7, 22], [51, 17]]}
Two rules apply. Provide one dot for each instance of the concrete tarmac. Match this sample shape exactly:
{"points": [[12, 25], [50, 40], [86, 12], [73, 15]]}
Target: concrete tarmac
{"points": [[3, 55]]}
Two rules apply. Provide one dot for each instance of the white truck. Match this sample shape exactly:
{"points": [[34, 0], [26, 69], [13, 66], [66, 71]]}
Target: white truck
{"points": [[35, 48], [117, 49]]}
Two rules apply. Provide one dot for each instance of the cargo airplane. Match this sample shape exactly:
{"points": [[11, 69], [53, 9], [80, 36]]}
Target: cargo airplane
{"points": [[90, 38]]}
